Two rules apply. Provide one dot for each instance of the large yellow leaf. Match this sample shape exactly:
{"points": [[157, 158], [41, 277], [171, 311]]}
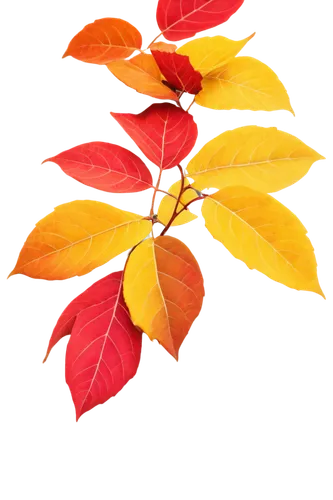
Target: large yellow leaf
{"points": [[243, 83], [142, 74], [264, 234], [264, 159], [78, 237], [167, 205], [209, 53], [163, 289]]}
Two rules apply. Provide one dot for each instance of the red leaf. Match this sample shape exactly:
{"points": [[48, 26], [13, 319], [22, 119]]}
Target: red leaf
{"points": [[104, 349], [106, 167], [99, 291], [165, 133], [178, 71], [179, 19]]}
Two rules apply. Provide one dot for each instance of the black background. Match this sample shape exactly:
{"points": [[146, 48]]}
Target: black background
{"points": [[259, 357]]}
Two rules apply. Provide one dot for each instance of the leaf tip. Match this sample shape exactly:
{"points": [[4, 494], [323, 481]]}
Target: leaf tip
{"points": [[12, 273], [66, 54]]}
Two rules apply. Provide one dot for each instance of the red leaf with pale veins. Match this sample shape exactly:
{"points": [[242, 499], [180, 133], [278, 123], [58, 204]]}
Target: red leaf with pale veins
{"points": [[179, 19], [178, 71], [165, 133], [98, 292], [106, 167], [104, 349]]}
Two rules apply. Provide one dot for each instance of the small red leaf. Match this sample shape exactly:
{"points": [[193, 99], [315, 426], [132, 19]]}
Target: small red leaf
{"points": [[179, 19], [165, 133], [106, 167], [178, 71], [104, 349]]}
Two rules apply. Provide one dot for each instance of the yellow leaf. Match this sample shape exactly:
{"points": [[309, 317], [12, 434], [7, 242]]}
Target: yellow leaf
{"points": [[163, 289], [167, 205], [78, 237], [142, 74], [209, 53], [264, 159], [264, 234], [243, 83]]}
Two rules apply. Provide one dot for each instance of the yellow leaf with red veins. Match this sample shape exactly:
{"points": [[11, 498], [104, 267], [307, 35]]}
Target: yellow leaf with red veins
{"points": [[167, 205]]}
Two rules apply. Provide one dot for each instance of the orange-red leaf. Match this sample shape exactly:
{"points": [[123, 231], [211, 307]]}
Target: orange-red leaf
{"points": [[179, 19], [163, 289], [105, 40], [104, 349], [164, 47], [178, 71], [142, 74], [165, 133], [106, 167]]}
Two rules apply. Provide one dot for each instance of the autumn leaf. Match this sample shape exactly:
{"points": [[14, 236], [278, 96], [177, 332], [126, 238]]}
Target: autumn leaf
{"points": [[264, 159], [209, 53], [163, 47], [106, 167], [243, 83], [178, 71], [168, 204], [78, 237], [142, 74], [165, 133], [105, 40], [104, 349], [163, 289], [264, 234], [179, 19]]}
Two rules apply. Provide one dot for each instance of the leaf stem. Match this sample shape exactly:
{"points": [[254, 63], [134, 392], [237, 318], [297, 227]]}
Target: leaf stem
{"points": [[175, 213], [201, 197], [156, 188], [156, 38], [190, 106]]}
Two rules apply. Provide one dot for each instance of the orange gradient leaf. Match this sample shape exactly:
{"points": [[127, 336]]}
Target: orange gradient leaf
{"points": [[142, 74], [163, 47], [104, 349], [165, 133], [264, 234], [78, 237], [163, 289], [178, 71], [105, 40], [106, 167]]}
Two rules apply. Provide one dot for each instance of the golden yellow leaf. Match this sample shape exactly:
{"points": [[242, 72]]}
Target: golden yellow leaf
{"points": [[142, 74], [167, 205], [163, 289], [78, 237], [264, 159], [209, 53], [243, 83], [264, 234]]}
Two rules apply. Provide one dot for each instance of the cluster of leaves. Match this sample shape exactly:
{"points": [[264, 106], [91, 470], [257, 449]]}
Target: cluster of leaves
{"points": [[160, 292]]}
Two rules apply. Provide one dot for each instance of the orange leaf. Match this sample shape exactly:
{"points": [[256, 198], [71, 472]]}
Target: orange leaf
{"points": [[163, 47], [142, 74], [78, 237], [163, 289], [105, 40]]}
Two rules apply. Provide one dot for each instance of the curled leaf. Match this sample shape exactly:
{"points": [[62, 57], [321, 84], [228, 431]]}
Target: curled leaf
{"points": [[78, 237], [104, 349], [243, 83], [178, 71], [179, 19], [142, 74], [105, 40], [163, 289], [209, 53], [165, 133], [168, 204], [264, 234], [106, 167], [264, 159]]}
